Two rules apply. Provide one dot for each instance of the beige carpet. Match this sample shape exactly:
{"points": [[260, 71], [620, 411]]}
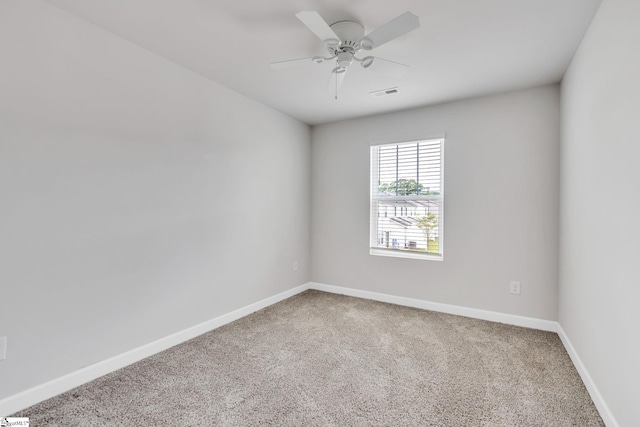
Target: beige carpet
{"points": [[324, 359]]}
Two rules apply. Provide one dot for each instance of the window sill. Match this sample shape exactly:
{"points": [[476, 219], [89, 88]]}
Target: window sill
{"points": [[395, 253]]}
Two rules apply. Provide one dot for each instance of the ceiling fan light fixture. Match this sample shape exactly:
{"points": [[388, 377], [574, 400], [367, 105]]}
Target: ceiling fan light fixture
{"points": [[367, 61], [344, 59], [366, 44], [345, 39]]}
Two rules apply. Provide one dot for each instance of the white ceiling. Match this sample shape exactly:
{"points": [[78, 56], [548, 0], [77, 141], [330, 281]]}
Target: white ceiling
{"points": [[464, 48]]}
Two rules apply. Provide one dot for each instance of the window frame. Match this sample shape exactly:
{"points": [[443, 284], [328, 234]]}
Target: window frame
{"points": [[374, 199]]}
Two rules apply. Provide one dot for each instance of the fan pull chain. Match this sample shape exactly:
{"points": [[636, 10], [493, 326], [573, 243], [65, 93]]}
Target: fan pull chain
{"points": [[336, 97]]}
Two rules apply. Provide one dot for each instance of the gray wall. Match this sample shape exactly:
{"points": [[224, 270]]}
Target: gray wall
{"points": [[137, 198], [600, 202], [501, 204]]}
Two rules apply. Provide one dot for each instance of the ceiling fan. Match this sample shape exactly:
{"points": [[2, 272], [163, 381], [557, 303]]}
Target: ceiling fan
{"points": [[345, 39]]}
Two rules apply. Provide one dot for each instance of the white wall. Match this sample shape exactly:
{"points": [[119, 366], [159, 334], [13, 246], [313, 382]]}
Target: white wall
{"points": [[501, 204], [136, 198], [600, 205]]}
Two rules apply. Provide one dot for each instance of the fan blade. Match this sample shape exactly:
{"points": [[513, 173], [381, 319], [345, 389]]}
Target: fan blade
{"points": [[332, 85], [390, 68], [290, 63], [318, 26], [393, 29]]}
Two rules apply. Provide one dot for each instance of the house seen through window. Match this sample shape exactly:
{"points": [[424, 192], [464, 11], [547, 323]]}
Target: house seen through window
{"points": [[407, 199]]}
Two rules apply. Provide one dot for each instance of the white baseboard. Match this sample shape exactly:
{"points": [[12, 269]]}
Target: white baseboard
{"points": [[604, 410], [510, 319], [52, 388], [22, 400]]}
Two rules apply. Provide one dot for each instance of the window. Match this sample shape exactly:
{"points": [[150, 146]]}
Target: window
{"points": [[407, 199]]}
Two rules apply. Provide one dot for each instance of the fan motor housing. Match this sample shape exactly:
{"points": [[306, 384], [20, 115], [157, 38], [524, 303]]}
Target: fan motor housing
{"points": [[350, 34]]}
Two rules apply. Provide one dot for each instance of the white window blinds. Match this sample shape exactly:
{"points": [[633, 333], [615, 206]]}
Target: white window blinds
{"points": [[407, 199]]}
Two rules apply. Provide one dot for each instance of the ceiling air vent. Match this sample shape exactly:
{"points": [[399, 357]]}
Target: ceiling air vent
{"points": [[385, 92]]}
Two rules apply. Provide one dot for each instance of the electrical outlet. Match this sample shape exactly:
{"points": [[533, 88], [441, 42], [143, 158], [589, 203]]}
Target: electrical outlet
{"points": [[515, 287], [3, 348], [295, 265]]}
